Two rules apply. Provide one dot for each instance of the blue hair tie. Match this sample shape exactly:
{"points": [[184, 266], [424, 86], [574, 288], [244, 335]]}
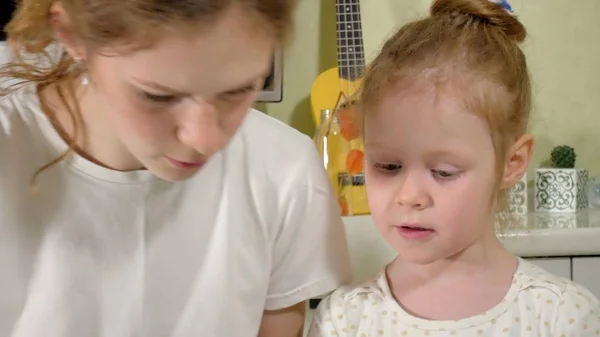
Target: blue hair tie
{"points": [[504, 4]]}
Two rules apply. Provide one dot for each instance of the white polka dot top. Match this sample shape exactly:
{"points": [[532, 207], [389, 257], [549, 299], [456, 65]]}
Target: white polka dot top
{"points": [[537, 303]]}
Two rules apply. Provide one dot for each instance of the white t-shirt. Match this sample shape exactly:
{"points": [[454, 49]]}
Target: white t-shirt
{"points": [[537, 304], [5, 54], [100, 253]]}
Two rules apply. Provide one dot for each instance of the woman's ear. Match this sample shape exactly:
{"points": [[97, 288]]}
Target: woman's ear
{"points": [[63, 32], [517, 161]]}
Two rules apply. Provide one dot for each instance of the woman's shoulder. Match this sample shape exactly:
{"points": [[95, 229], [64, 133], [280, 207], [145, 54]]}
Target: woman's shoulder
{"points": [[272, 136], [282, 152], [21, 126], [19, 107]]}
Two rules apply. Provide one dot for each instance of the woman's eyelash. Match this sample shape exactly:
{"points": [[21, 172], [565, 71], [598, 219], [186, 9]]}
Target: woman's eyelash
{"points": [[241, 91], [158, 98]]}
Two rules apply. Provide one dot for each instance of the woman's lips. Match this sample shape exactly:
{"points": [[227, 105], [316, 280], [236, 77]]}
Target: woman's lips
{"points": [[184, 164]]}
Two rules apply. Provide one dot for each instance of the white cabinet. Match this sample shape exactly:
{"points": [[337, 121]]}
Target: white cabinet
{"points": [[309, 317], [586, 271], [560, 266], [369, 252]]}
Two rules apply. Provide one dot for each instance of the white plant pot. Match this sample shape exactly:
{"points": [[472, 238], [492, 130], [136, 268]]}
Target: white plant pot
{"points": [[517, 197], [559, 190]]}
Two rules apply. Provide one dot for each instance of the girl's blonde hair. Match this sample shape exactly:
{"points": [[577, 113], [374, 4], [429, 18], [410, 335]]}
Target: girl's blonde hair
{"points": [[475, 44], [102, 25]]}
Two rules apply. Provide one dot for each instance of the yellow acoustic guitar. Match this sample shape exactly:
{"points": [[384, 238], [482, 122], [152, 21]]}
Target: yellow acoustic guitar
{"points": [[333, 90]]}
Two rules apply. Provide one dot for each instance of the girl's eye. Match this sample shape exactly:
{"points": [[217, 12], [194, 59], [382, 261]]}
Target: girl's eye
{"points": [[388, 168], [445, 175], [158, 98]]}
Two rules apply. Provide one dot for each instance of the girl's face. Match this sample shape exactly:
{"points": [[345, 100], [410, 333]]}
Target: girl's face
{"points": [[430, 173], [171, 107]]}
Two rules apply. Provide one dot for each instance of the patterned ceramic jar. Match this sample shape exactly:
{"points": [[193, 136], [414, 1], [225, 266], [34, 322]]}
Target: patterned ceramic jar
{"points": [[561, 190]]}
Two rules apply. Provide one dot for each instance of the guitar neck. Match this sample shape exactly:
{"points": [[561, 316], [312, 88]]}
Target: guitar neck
{"points": [[350, 49]]}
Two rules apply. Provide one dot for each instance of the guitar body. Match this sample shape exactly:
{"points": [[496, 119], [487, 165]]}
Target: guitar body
{"points": [[334, 90], [326, 90]]}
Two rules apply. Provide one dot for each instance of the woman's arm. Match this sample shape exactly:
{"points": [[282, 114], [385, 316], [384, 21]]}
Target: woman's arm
{"points": [[288, 322], [309, 251]]}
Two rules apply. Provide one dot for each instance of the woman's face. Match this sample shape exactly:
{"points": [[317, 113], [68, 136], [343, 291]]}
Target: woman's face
{"points": [[171, 107]]}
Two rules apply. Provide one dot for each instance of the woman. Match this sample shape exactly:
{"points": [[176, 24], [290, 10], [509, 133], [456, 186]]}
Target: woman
{"points": [[139, 193]]}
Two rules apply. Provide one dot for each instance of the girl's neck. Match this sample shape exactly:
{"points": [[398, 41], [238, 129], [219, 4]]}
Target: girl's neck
{"points": [[480, 256], [478, 278]]}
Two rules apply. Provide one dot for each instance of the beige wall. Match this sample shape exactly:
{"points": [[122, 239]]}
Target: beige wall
{"points": [[563, 51], [312, 51]]}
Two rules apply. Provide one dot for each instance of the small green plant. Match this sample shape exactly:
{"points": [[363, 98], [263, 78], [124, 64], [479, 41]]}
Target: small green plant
{"points": [[563, 156]]}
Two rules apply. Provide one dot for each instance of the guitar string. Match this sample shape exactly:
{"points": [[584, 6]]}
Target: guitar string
{"points": [[342, 44], [350, 61], [351, 49], [354, 27], [360, 57], [352, 52]]}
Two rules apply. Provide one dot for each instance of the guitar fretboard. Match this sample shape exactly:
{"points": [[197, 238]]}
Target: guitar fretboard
{"points": [[350, 49]]}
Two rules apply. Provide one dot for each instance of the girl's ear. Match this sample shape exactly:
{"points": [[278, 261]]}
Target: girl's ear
{"points": [[517, 161]]}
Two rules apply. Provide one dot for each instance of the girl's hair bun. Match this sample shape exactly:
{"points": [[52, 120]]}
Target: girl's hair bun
{"points": [[486, 11]]}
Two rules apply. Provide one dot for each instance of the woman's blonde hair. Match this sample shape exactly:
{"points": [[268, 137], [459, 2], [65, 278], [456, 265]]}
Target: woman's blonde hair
{"points": [[475, 44], [105, 24]]}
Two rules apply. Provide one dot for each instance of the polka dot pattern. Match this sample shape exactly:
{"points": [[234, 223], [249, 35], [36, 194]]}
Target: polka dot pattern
{"points": [[538, 304]]}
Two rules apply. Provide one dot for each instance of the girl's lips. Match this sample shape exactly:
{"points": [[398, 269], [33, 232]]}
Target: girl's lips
{"points": [[414, 231]]}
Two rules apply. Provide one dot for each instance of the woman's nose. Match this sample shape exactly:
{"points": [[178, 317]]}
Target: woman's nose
{"points": [[201, 130]]}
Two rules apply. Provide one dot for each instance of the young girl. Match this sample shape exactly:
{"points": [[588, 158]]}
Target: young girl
{"points": [[140, 195], [445, 107]]}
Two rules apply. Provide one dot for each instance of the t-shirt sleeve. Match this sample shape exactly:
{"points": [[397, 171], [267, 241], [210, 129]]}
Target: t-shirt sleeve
{"points": [[349, 311], [578, 313], [328, 321], [310, 254]]}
